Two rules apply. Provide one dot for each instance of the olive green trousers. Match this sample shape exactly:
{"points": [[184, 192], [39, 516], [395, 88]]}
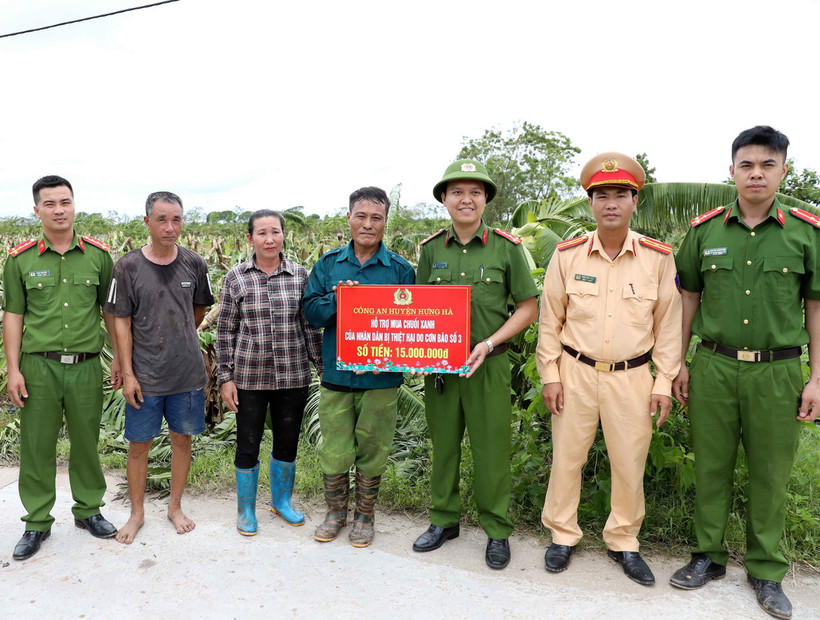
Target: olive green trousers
{"points": [[754, 402]]}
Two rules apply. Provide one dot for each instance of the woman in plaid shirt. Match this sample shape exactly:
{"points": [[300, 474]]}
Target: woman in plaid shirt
{"points": [[263, 345]]}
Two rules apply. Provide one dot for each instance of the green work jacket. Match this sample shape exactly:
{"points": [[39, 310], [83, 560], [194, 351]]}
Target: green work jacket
{"points": [[58, 295], [492, 263], [753, 281]]}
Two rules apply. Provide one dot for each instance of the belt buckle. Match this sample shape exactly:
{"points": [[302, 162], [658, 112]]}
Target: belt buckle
{"points": [[603, 366], [68, 359], [748, 356]]}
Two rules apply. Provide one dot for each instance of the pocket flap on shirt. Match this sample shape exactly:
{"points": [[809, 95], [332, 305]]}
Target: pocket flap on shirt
{"points": [[87, 279], [640, 292], [578, 287], [439, 275], [713, 263], [784, 264]]}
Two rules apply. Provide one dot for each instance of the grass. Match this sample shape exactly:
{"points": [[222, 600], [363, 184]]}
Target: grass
{"points": [[668, 526]]}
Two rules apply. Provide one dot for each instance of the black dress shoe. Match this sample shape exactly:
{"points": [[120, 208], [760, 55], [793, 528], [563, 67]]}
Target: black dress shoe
{"points": [[700, 571], [497, 555], [434, 537], [771, 598], [29, 544], [557, 557], [97, 526], [634, 566]]}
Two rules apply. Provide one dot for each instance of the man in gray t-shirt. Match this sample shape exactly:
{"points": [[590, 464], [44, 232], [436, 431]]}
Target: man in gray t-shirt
{"points": [[158, 295]]}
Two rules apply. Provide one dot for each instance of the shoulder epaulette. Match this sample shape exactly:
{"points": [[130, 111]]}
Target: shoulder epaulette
{"points": [[508, 236], [663, 248], [22, 247], [811, 218], [704, 217], [571, 243], [95, 242], [433, 236]]}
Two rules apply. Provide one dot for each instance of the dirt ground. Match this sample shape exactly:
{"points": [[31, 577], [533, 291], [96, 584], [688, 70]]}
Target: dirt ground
{"points": [[213, 572]]}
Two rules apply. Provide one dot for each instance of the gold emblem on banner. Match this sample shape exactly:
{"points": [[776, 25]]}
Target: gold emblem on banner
{"points": [[402, 297]]}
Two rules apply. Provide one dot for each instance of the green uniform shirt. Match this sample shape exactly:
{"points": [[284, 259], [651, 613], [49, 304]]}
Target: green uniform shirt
{"points": [[59, 296], [753, 280], [494, 267]]}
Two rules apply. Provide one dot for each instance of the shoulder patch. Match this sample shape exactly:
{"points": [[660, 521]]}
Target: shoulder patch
{"points": [[811, 218], [30, 243], [705, 217], [508, 236], [95, 242], [571, 243], [433, 236], [663, 248]]}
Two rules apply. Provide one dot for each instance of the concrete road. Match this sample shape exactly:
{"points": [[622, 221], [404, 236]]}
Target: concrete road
{"points": [[213, 572]]}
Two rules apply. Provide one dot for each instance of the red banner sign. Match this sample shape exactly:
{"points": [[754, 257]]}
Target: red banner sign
{"points": [[398, 328]]}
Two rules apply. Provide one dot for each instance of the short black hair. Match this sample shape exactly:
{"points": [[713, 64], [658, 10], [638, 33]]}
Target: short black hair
{"points": [[265, 213], [51, 180], [370, 194], [761, 135], [163, 197]]}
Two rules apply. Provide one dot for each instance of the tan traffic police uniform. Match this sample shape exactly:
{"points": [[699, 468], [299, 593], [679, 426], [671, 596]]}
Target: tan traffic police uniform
{"points": [[613, 312]]}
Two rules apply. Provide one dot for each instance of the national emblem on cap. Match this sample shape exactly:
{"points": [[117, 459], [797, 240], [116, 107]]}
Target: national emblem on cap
{"points": [[609, 165], [465, 169], [612, 170]]}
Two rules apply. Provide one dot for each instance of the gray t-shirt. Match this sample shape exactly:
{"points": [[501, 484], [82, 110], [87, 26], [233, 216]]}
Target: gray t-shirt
{"points": [[160, 300]]}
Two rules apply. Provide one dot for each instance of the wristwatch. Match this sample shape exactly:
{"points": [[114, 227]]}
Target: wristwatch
{"points": [[489, 344]]}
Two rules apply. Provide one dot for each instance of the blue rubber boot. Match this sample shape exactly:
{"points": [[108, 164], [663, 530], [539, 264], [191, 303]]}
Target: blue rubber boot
{"points": [[281, 489], [246, 483]]}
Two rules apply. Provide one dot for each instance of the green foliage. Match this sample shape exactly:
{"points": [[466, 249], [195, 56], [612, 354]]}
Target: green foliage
{"points": [[803, 185], [664, 211], [643, 160], [526, 163]]}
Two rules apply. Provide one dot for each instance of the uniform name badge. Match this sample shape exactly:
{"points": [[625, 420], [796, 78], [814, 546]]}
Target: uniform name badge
{"points": [[393, 328]]}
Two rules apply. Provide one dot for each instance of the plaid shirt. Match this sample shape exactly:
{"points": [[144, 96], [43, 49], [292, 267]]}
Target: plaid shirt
{"points": [[263, 341]]}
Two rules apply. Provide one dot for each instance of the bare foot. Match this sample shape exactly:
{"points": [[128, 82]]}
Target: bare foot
{"points": [[128, 532], [182, 523]]}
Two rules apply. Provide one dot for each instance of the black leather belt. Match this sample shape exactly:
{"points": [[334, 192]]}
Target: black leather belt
{"points": [[67, 358], [498, 350], [608, 366], [753, 356]]}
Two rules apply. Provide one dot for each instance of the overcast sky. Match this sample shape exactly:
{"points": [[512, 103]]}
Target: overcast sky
{"points": [[276, 104]]}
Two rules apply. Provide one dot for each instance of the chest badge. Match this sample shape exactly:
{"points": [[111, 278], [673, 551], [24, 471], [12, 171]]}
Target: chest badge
{"points": [[582, 278], [440, 265], [715, 252]]}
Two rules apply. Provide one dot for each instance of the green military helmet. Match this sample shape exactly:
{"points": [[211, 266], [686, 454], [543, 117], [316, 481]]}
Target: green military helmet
{"points": [[465, 169]]}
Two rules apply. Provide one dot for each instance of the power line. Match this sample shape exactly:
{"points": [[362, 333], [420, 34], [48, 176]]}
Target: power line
{"points": [[85, 19]]}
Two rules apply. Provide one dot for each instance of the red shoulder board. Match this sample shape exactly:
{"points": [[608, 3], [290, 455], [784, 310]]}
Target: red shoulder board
{"points": [[706, 216], [811, 218], [649, 242], [433, 236], [22, 247], [571, 243], [507, 236], [95, 242]]}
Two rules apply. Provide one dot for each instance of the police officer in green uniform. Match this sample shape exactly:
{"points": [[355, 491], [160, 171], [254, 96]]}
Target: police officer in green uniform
{"points": [[54, 287], [493, 263], [745, 270]]}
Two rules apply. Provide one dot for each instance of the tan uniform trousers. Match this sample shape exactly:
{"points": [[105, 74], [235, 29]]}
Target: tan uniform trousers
{"points": [[620, 400]]}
